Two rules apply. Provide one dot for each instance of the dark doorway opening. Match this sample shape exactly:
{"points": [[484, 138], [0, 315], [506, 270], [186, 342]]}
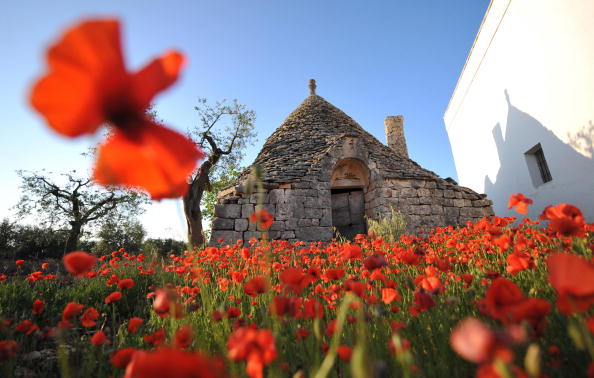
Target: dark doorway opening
{"points": [[348, 212]]}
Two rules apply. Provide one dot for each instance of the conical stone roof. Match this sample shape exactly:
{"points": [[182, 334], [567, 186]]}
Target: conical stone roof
{"points": [[309, 131]]}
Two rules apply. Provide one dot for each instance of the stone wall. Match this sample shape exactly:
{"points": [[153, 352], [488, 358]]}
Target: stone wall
{"points": [[302, 211], [426, 204]]}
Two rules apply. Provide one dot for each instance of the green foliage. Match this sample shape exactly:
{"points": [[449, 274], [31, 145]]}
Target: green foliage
{"points": [[227, 176], [59, 200], [389, 228], [227, 126], [164, 247], [26, 241], [128, 234]]}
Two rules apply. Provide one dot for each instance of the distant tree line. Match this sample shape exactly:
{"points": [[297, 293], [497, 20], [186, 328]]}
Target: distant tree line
{"points": [[21, 241]]}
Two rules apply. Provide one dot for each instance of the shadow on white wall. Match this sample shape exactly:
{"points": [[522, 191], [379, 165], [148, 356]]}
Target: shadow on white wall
{"points": [[572, 173]]}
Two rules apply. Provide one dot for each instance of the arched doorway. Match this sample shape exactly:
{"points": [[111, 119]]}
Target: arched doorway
{"points": [[350, 177]]}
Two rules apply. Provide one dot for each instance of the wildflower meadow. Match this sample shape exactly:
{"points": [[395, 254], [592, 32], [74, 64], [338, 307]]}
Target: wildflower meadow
{"points": [[501, 297]]}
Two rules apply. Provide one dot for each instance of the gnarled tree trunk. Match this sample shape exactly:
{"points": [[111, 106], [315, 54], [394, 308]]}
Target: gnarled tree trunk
{"points": [[194, 220], [192, 200], [73, 237]]}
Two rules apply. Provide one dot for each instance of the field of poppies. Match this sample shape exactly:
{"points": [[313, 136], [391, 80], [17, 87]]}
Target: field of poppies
{"points": [[491, 299], [498, 298]]}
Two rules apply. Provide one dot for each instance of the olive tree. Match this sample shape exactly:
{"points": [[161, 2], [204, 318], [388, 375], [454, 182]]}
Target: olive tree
{"points": [[73, 202], [224, 131]]}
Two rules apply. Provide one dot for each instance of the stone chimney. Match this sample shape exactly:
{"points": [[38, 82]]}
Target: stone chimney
{"points": [[394, 126]]}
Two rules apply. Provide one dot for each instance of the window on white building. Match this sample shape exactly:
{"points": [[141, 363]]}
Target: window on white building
{"points": [[537, 165]]}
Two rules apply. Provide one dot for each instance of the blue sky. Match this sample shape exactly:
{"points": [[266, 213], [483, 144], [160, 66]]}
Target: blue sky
{"points": [[371, 59]]}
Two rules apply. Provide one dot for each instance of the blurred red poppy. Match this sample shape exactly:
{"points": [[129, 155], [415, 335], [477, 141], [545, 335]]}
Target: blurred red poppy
{"points": [[89, 317], [88, 85], [263, 218], [351, 251], [121, 358], [78, 263], [8, 349], [27, 327], [38, 305], [573, 278], [113, 297], [389, 295], [99, 339], [344, 352], [256, 286], [565, 220], [71, 310], [126, 283], [166, 362], [375, 261], [183, 336], [257, 347], [519, 202], [133, 324]]}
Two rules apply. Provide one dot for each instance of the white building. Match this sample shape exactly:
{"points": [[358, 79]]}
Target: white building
{"points": [[521, 118]]}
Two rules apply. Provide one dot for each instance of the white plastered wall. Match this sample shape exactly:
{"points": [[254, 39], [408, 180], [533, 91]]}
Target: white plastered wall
{"points": [[529, 79]]}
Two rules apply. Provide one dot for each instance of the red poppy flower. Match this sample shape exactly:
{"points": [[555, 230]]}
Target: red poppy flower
{"points": [[27, 327], [121, 358], [166, 301], [156, 338], [126, 283], [279, 305], [19, 262], [99, 339], [263, 218], [38, 305], [333, 274], [133, 324], [389, 295], [257, 347], [573, 278], [518, 261], [71, 310], [375, 262], [89, 317], [501, 294], [78, 263], [295, 279], [302, 334], [351, 251], [430, 283], [113, 297], [233, 312], [467, 278], [87, 86], [8, 349], [356, 287], [520, 202], [473, 340], [565, 220], [256, 286], [313, 309], [166, 362], [423, 301], [344, 352], [183, 337], [505, 302]]}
